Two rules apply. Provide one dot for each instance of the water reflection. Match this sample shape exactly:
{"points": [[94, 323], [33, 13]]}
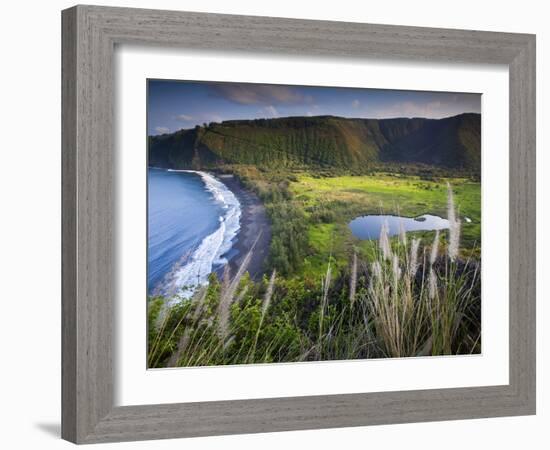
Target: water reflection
{"points": [[368, 227]]}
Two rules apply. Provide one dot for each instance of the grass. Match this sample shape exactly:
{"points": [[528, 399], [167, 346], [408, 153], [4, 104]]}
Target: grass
{"points": [[385, 193], [402, 297], [347, 197], [328, 243]]}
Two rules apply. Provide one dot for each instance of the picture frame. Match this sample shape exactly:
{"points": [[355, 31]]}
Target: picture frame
{"points": [[90, 34]]}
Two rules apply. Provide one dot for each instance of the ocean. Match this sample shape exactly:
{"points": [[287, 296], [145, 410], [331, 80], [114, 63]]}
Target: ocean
{"points": [[193, 220]]}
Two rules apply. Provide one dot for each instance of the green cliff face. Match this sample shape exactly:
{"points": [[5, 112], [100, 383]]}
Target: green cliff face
{"points": [[324, 141]]}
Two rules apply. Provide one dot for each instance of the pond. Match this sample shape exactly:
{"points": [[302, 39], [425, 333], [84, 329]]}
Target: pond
{"points": [[368, 227]]}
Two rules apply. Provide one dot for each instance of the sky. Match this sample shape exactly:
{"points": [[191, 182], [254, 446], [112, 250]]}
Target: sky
{"points": [[173, 105]]}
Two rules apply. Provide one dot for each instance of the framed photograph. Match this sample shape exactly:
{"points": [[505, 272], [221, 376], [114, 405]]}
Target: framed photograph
{"points": [[277, 224]]}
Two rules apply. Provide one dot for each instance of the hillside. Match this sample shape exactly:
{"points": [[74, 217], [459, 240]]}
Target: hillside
{"points": [[324, 141]]}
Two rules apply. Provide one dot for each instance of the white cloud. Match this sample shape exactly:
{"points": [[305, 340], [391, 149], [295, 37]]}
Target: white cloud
{"points": [[199, 118], [433, 105], [270, 111], [355, 104], [212, 117], [162, 130], [433, 109], [184, 117]]}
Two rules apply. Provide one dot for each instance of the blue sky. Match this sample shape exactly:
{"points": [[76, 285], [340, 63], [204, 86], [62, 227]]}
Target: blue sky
{"points": [[173, 105]]}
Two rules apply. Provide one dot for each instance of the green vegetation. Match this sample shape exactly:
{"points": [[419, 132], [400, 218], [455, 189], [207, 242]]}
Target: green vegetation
{"points": [[338, 200], [325, 142], [326, 294], [401, 302], [317, 229]]}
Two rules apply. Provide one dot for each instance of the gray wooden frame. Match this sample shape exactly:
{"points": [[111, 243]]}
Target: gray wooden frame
{"points": [[89, 36]]}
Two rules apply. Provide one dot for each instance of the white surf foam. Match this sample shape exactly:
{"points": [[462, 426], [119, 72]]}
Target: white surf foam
{"points": [[210, 252]]}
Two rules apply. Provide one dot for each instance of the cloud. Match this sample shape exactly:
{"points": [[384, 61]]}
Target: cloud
{"points": [[355, 104], [314, 110], [444, 105], [269, 111], [433, 105], [162, 130], [211, 117], [198, 118], [258, 94], [434, 109], [184, 117]]}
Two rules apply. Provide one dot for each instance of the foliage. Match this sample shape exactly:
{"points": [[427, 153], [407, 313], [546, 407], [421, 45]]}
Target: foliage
{"points": [[328, 295], [393, 298], [327, 143]]}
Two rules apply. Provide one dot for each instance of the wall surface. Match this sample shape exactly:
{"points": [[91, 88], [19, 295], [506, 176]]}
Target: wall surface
{"points": [[30, 223]]}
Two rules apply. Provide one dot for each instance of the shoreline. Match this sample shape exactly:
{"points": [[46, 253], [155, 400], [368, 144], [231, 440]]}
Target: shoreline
{"points": [[253, 221]]}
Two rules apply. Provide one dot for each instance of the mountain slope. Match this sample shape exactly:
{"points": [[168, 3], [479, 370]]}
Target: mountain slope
{"points": [[325, 141]]}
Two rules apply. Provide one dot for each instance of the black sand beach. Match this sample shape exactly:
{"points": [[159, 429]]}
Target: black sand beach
{"points": [[254, 223]]}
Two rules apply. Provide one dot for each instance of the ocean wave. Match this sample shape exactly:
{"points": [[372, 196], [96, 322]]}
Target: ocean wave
{"points": [[195, 269]]}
